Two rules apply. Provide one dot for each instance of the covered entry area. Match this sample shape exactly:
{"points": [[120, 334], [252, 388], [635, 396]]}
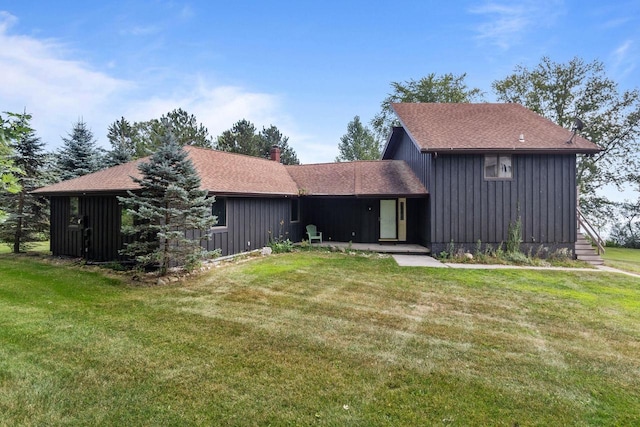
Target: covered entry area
{"points": [[366, 220], [363, 202]]}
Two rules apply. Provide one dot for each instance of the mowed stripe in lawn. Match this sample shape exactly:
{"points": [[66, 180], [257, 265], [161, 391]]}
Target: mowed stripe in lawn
{"points": [[320, 338]]}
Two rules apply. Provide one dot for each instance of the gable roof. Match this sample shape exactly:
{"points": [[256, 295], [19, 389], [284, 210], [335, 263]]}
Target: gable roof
{"points": [[485, 127], [361, 178], [220, 172]]}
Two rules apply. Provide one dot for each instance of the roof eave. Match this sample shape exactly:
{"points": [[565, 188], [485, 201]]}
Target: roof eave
{"points": [[510, 150]]}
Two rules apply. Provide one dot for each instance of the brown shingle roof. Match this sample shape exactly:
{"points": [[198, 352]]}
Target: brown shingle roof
{"points": [[485, 127], [363, 178], [220, 173], [223, 172]]}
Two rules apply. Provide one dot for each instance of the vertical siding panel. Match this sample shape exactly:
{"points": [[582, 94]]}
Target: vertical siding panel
{"points": [[554, 202], [476, 179], [499, 212], [543, 205], [491, 217]]}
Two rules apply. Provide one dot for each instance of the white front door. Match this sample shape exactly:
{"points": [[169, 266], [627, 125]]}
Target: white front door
{"points": [[388, 219]]}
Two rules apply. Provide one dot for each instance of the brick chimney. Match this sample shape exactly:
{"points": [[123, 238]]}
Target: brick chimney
{"points": [[274, 154]]}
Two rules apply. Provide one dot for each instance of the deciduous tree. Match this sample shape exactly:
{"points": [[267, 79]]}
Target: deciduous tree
{"points": [[432, 88], [28, 215], [11, 128], [358, 143], [563, 92]]}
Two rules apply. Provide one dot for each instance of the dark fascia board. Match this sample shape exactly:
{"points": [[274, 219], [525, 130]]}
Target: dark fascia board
{"points": [[125, 193], [394, 132], [366, 196], [510, 150]]}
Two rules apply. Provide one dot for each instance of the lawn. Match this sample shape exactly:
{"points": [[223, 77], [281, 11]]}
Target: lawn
{"points": [[314, 338], [37, 247], [623, 258]]}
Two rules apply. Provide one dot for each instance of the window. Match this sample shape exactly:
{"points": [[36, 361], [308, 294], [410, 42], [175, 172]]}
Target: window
{"points": [[295, 210], [219, 209], [74, 212], [497, 167], [126, 219]]}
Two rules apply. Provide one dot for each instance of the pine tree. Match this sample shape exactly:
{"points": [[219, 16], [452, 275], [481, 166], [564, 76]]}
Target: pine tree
{"points": [[272, 136], [79, 155], [243, 138], [169, 204], [28, 215]]}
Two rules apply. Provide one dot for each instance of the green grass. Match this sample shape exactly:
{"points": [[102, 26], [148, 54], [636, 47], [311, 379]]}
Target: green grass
{"points": [[623, 258], [39, 247], [312, 338]]}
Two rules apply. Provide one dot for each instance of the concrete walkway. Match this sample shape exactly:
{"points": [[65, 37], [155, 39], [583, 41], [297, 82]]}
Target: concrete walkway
{"points": [[389, 248], [427, 261]]}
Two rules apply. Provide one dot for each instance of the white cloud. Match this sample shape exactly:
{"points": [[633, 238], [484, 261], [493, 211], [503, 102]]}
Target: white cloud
{"points": [[57, 91], [38, 75], [507, 22], [624, 59]]}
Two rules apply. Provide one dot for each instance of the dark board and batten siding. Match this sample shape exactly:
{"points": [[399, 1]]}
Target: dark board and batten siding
{"points": [[420, 163], [466, 207], [97, 239], [250, 224], [357, 220]]}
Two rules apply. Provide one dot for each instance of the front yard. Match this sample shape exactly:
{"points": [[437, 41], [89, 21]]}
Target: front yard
{"points": [[312, 338]]}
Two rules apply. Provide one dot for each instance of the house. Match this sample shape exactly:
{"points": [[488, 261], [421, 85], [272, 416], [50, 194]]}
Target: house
{"points": [[486, 166], [256, 200], [457, 173]]}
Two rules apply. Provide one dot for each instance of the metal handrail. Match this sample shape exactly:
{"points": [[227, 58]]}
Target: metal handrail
{"points": [[591, 232]]}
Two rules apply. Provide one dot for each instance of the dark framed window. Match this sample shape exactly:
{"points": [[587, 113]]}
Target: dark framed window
{"points": [[219, 210], [295, 210], [126, 219], [75, 220], [498, 166]]}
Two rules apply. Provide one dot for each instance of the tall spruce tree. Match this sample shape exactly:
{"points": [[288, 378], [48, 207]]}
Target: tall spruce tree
{"points": [[169, 204], [79, 154], [28, 214], [122, 136]]}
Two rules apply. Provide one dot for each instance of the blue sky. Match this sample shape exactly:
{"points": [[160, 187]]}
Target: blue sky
{"points": [[306, 67]]}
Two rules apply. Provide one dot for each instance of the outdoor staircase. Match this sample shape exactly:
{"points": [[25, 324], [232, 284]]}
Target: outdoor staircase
{"points": [[586, 252]]}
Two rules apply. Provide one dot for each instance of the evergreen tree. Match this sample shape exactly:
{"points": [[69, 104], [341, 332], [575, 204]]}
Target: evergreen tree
{"points": [[185, 128], [169, 203], [79, 154], [122, 136], [28, 215], [358, 143], [243, 138], [272, 136]]}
